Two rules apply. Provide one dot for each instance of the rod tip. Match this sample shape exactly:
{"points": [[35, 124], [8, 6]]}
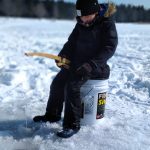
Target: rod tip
{"points": [[26, 54]]}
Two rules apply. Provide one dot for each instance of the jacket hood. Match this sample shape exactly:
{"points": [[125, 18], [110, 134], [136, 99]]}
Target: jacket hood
{"points": [[107, 10]]}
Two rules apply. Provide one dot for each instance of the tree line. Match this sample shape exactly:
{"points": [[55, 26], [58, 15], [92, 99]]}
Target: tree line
{"points": [[65, 10]]}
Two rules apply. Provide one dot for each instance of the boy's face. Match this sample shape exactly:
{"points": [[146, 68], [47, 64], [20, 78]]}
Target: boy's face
{"points": [[87, 19]]}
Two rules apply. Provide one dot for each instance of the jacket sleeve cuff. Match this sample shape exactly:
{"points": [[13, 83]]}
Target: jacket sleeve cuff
{"points": [[92, 64]]}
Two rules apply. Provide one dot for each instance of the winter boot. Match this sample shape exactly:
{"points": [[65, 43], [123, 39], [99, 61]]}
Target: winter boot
{"points": [[67, 132], [46, 118]]}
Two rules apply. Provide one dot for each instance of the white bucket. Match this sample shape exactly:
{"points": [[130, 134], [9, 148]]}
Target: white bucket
{"points": [[93, 95]]}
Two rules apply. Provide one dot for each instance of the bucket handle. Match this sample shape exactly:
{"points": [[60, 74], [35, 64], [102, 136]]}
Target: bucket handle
{"points": [[88, 92]]}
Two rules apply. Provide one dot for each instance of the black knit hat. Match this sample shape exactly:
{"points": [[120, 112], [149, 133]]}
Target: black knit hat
{"points": [[87, 7]]}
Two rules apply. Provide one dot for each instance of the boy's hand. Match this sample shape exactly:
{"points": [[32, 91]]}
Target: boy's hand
{"points": [[63, 63]]}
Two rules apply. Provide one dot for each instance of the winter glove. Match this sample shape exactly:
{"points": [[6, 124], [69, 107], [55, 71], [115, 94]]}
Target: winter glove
{"points": [[62, 64], [84, 70]]}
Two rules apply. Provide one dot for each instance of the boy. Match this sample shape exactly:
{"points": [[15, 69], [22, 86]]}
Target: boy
{"points": [[92, 42]]}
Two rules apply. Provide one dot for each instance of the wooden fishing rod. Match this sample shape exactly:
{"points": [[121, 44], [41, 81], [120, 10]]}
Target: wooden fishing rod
{"points": [[61, 61]]}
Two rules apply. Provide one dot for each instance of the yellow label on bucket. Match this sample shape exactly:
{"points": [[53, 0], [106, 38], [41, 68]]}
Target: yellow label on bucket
{"points": [[101, 102], [101, 105]]}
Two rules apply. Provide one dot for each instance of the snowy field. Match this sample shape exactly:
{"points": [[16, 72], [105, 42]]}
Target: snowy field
{"points": [[25, 81]]}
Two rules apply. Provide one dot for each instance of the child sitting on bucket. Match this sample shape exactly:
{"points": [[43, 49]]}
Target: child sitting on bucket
{"points": [[91, 44]]}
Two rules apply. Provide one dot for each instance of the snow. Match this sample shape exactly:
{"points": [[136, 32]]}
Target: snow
{"points": [[25, 81]]}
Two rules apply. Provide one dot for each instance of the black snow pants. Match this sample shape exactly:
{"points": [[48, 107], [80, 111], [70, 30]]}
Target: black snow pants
{"points": [[66, 88]]}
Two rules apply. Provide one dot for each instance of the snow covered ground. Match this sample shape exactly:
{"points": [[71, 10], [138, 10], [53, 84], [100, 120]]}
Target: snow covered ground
{"points": [[25, 81]]}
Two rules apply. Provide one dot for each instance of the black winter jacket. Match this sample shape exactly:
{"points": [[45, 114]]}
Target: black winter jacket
{"points": [[94, 45]]}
